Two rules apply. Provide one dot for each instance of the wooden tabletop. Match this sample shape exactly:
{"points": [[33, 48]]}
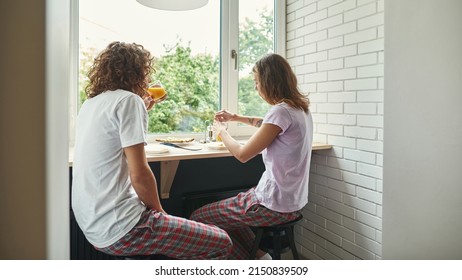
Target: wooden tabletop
{"points": [[205, 151]]}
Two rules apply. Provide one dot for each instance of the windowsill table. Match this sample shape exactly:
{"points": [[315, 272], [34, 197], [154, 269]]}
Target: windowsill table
{"points": [[169, 161]]}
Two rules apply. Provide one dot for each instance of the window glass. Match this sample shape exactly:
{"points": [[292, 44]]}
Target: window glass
{"points": [[186, 46], [256, 38]]}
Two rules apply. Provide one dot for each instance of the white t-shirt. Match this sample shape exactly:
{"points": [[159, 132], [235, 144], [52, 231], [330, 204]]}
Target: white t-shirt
{"points": [[104, 202], [283, 186]]}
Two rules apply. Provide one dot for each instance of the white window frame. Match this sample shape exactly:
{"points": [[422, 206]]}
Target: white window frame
{"points": [[74, 69], [229, 76]]}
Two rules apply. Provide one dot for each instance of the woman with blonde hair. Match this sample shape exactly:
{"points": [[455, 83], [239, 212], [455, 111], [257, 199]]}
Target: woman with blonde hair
{"points": [[284, 138]]}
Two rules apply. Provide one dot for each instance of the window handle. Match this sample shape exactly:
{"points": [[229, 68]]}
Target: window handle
{"points": [[234, 56]]}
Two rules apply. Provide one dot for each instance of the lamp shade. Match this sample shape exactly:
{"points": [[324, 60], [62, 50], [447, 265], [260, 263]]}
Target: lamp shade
{"points": [[174, 5]]}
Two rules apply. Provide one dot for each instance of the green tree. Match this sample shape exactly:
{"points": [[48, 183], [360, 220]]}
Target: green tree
{"points": [[192, 85], [255, 41], [86, 60]]}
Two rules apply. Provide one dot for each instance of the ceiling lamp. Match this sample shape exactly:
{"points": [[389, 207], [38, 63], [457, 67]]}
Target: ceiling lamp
{"points": [[174, 5]]}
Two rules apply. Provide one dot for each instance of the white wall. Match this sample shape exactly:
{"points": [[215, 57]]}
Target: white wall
{"points": [[336, 49], [422, 203], [414, 128], [58, 56], [34, 181]]}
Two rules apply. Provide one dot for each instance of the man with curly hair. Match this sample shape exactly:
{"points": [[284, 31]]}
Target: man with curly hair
{"points": [[114, 192]]}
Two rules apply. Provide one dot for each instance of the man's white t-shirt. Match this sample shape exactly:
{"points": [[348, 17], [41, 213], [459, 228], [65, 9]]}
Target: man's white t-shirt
{"points": [[104, 202], [283, 186]]}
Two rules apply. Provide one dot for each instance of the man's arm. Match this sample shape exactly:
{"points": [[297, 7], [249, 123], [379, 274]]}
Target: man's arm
{"points": [[142, 178]]}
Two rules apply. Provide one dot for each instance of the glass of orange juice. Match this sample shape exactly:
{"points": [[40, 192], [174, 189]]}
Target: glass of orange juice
{"points": [[157, 92]]}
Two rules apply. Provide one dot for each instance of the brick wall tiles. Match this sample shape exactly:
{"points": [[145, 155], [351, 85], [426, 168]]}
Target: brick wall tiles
{"points": [[336, 48], [331, 64], [341, 186], [325, 254], [340, 230], [340, 252], [345, 97], [341, 8]]}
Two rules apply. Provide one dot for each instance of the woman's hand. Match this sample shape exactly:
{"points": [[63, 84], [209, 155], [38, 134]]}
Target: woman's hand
{"points": [[224, 116], [218, 127]]}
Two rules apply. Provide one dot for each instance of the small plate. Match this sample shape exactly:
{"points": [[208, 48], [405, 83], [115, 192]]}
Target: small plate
{"points": [[156, 150], [216, 146]]}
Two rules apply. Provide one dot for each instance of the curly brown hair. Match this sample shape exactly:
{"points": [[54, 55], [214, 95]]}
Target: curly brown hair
{"points": [[278, 82], [120, 66]]}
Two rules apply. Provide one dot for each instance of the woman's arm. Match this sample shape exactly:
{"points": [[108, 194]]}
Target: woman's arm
{"points": [[225, 116], [262, 138], [142, 178]]}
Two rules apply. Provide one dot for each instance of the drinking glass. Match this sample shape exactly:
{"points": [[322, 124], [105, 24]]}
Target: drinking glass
{"points": [[157, 92]]}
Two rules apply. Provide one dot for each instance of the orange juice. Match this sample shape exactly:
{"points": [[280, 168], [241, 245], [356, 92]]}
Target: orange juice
{"points": [[157, 93]]}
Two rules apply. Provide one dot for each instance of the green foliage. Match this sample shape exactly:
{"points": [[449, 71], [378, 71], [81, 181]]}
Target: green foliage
{"points": [[255, 39], [86, 60], [192, 85], [250, 102]]}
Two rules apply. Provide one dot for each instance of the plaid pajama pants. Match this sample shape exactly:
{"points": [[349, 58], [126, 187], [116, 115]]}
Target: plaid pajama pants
{"points": [[172, 236], [236, 215]]}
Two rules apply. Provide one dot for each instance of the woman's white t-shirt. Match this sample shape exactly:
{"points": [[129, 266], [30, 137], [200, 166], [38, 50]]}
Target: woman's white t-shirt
{"points": [[104, 202], [283, 186]]}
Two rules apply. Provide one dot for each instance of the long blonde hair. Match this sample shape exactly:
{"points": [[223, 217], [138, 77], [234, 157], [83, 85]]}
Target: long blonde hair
{"points": [[278, 82]]}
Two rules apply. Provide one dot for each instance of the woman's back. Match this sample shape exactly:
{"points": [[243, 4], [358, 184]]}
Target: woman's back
{"points": [[284, 185]]}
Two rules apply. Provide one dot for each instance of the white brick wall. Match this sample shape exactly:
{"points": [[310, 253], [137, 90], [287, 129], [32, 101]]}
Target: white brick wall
{"points": [[336, 49]]}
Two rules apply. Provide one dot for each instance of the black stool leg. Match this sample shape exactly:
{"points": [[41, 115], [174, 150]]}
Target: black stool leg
{"points": [[290, 235], [275, 234], [277, 245], [256, 245]]}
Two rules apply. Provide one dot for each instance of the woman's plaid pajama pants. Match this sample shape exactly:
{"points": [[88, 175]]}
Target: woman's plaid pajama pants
{"points": [[236, 215]]}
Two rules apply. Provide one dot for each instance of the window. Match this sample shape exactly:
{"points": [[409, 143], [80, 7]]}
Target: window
{"points": [[203, 57]]}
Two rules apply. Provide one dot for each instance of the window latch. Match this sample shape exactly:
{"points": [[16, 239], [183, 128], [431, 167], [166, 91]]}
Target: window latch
{"points": [[234, 56]]}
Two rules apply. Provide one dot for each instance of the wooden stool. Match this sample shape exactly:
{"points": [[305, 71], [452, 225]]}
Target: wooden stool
{"points": [[276, 239]]}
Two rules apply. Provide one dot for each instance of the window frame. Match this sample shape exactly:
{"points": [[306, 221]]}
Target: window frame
{"points": [[228, 75]]}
